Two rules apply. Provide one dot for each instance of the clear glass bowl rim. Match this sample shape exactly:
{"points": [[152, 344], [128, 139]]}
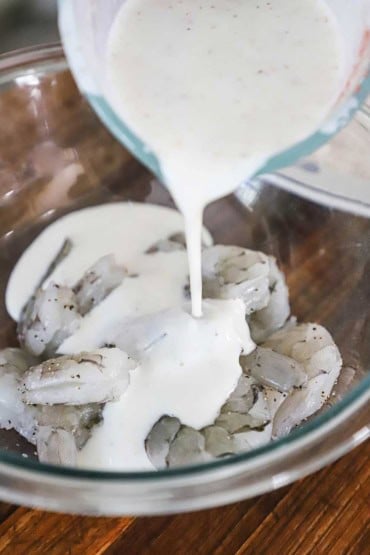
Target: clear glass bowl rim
{"points": [[51, 57]]}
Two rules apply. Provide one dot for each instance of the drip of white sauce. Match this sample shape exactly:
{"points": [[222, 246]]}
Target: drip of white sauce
{"points": [[187, 372], [215, 88]]}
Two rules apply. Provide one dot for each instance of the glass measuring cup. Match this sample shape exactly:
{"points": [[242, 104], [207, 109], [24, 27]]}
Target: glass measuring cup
{"points": [[85, 26]]}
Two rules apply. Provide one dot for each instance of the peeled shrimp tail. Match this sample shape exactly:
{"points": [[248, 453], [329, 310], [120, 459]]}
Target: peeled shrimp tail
{"points": [[56, 446], [95, 377], [97, 282], [50, 317], [244, 417]]}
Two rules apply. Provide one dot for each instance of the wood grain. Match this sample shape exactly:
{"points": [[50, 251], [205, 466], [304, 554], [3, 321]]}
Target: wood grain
{"points": [[27, 531], [325, 514]]}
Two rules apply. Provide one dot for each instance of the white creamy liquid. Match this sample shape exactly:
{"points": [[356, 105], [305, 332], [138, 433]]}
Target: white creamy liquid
{"points": [[186, 367], [215, 88], [126, 230], [187, 371]]}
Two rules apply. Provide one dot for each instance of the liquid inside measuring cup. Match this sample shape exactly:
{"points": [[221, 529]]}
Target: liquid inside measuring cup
{"points": [[216, 88]]}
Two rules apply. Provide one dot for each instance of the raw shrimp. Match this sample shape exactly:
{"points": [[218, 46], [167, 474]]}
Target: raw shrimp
{"points": [[159, 439], [188, 447], [50, 317], [13, 412], [266, 321], [312, 346], [309, 344], [284, 381], [15, 361], [58, 403], [56, 446], [78, 420], [97, 282], [94, 377], [171, 444], [54, 313], [274, 370], [233, 272]]}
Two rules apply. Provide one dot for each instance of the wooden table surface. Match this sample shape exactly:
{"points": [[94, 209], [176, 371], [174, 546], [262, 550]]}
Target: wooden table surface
{"points": [[326, 513]]}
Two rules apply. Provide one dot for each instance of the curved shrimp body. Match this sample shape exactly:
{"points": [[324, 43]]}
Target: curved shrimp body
{"points": [[244, 414], [95, 377], [97, 282], [234, 272], [62, 430], [273, 316], [49, 318], [54, 313], [312, 346], [56, 446]]}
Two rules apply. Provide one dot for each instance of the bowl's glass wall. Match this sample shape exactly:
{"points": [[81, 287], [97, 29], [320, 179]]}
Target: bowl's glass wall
{"points": [[55, 156]]}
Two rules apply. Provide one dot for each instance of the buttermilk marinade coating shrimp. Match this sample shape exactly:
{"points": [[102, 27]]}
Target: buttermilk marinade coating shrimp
{"points": [[285, 380], [244, 414], [233, 272], [54, 313]]}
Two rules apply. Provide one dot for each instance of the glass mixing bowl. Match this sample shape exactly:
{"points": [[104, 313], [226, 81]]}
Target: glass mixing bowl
{"points": [[55, 156]]}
